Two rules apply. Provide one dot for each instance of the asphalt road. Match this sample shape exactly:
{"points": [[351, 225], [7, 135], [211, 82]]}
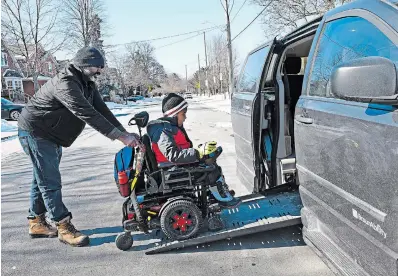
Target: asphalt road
{"points": [[90, 194]]}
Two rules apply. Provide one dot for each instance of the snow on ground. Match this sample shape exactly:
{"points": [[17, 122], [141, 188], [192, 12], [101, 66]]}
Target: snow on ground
{"points": [[131, 107], [136, 105], [9, 129], [8, 126], [215, 102]]}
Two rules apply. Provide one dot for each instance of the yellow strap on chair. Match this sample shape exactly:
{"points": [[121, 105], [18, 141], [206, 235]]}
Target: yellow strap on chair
{"points": [[134, 182]]}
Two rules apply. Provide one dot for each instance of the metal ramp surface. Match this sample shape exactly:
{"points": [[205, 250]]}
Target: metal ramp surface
{"points": [[255, 214]]}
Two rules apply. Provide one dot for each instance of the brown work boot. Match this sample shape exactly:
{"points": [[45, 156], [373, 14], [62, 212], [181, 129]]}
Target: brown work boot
{"points": [[68, 234], [40, 228]]}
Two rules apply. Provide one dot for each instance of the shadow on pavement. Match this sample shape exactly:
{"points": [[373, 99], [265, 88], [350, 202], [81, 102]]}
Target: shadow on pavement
{"points": [[115, 230]]}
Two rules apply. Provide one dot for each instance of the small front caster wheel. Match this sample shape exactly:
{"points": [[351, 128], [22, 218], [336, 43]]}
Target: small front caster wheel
{"points": [[124, 241], [215, 223]]}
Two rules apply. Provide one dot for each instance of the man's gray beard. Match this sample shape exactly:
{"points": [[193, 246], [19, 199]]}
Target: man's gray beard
{"points": [[91, 75]]}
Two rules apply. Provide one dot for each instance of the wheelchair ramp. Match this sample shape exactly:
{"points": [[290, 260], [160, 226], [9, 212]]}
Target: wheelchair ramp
{"points": [[255, 214]]}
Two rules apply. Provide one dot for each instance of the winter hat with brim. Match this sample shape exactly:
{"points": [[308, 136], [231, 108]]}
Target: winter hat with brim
{"points": [[89, 56], [172, 104]]}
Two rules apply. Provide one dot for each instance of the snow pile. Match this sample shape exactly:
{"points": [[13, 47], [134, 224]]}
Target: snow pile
{"points": [[8, 127], [9, 134], [114, 106], [134, 105], [151, 100]]}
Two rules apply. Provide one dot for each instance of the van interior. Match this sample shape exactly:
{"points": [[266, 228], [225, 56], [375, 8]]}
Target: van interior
{"points": [[282, 88]]}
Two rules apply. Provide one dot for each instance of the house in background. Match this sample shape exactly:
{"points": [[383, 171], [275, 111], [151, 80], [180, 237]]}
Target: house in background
{"points": [[47, 67], [12, 76]]}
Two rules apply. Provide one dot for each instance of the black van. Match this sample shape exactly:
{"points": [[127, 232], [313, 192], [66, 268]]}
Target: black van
{"points": [[319, 108]]}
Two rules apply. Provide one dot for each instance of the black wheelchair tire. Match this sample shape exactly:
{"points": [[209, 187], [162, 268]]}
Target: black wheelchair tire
{"points": [[124, 241], [195, 216]]}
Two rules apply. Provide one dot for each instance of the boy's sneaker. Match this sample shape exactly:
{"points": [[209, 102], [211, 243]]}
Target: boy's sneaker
{"points": [[40, 228], [221, 193]]}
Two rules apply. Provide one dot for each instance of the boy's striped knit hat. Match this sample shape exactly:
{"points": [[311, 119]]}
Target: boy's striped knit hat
{"points": [[172, 104]]}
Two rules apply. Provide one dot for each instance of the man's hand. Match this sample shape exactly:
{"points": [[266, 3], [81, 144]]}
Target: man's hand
{"points": [[131, 139]]}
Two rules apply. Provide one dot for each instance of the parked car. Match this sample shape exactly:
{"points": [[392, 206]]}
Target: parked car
{"points": [[319, 109], [9, 110], [135, 98], [188, 95]]}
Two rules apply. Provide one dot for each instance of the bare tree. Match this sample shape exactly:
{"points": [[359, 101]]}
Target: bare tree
{"points": [[218, 63], [285, 15], [121, 65], [32, 30], [144, 69], [82, 20], [174, 83]]}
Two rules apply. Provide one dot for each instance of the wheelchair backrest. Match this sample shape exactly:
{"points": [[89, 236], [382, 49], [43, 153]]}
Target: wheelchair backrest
{"points": [[150, 156]]}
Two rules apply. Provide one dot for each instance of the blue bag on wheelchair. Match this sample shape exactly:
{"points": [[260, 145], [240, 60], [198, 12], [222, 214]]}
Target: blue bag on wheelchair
{"points": [[125, 165], [124, 161]]}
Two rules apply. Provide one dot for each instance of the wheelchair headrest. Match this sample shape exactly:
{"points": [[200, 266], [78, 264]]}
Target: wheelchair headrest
{"points": [[141, 119]]}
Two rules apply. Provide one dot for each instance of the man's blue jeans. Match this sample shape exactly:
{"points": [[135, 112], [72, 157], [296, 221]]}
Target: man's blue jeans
{"points": [[45, 193]]}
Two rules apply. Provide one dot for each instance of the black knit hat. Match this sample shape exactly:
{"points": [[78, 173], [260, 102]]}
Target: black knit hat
{"points": [[172, 104], [89, 56]]}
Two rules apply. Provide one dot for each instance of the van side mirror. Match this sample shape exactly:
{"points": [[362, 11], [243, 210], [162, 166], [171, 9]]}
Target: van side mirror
{"points": [[367, 80]]}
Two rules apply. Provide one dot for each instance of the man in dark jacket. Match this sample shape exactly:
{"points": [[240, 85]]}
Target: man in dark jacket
{"points": [[172, 146], [53, 118]]}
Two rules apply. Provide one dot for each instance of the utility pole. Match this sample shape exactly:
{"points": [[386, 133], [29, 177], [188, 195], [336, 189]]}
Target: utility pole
{"points": [[207, 80], [200, 89], [230, 63], [186, 79]]}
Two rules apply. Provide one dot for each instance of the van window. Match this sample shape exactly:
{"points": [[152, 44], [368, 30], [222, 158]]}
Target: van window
{"points": [[343, 40], [251, 73]]}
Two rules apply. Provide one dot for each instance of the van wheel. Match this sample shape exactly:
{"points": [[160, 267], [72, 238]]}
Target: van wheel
{"points": [[181, 220]]}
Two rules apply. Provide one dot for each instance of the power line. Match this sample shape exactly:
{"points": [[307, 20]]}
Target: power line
{"points": [[166, 37], [177, 41], [252, 20], [238, 11]]}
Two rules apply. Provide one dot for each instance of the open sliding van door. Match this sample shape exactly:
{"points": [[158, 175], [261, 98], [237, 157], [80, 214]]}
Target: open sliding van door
{"points": [[246, 105]]}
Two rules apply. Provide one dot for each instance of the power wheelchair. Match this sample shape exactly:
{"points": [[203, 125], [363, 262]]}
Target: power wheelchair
{"points": [[174, 199]]}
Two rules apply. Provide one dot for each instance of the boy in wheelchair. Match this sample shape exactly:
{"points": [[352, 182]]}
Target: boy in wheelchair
{"points": [[172, 146]]}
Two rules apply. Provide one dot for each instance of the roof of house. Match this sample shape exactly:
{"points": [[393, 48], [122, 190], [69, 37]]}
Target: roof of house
{"points": [[5, 47], [12, 73]]}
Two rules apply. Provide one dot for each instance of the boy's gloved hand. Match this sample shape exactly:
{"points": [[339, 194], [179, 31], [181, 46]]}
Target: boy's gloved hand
{"points": [[209, 152]]}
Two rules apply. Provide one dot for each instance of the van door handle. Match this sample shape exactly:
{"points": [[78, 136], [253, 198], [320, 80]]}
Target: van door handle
{"points": [[305, 120]]}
